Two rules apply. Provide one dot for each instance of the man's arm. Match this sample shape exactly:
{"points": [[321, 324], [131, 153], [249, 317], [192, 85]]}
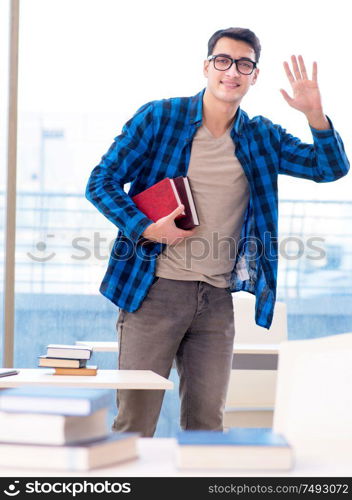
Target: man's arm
{"points": [[123, 162], [323, 161], [326, 159]]}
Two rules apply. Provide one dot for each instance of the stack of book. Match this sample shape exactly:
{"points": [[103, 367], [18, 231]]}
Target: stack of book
{"points": [[60, 428], [243, 448], [164, 197], [68, 360]]}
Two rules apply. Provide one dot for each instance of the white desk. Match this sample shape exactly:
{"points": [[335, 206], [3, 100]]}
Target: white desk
{"points": [[256, 348], [104, 379], [157, 457], [112, 346]]}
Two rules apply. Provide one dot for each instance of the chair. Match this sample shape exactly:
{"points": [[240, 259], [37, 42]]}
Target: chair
{"points": [[251, 392], [313, 401]]}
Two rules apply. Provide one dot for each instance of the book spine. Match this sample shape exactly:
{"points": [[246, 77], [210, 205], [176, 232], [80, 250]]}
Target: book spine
{"points": [[191, 202], [186, 196]]}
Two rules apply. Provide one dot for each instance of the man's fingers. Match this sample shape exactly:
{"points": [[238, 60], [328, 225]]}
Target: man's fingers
{"points": [[303, 67], [285, 95], [288, 72], [295, 68], [176, 212], [315, 72]]}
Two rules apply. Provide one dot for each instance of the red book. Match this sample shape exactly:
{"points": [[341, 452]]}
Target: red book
{"points": [[164, 197]]}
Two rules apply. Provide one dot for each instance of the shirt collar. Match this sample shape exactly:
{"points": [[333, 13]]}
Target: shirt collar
{"points": [[196, 112]]}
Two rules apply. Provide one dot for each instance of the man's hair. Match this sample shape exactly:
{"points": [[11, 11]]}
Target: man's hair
{"points": [[242, 34]]}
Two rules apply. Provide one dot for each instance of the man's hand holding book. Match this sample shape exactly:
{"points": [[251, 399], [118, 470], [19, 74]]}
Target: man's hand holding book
{"points": [[165, 230]]}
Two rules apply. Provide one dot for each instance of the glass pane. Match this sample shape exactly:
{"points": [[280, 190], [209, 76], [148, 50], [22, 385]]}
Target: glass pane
{"points": [[315, 266], [62, 241], [75, 95]]}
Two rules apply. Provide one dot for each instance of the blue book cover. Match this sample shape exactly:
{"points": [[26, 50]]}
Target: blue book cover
{"points": [[238, 436], [54, 400]]}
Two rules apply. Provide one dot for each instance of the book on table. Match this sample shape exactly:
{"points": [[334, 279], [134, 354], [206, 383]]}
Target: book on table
{"points": [[68, 351], [89, 370], [66, 401], [44, 428], [164, 197], [114, 448], [58, 428], [6, 372], [246, 448], [45, 361]]}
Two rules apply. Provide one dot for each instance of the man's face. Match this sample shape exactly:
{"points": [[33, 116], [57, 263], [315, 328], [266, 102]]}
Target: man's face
{"points": [[230, 86]]}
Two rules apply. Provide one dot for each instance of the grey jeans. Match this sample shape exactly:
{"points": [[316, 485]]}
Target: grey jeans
{"points": [[192, 322]]}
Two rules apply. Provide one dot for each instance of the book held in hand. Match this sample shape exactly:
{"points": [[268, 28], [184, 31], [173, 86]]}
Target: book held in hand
{"points": [[41, 428], [164, 197], [246, 448], [115, 447], [57, 400], [68, 351]]}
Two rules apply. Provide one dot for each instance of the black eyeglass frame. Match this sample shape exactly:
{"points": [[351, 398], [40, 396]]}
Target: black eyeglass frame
{"points": [[233, 61]]}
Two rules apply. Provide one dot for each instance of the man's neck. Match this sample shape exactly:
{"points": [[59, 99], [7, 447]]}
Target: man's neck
{"points": [[217, 115]]}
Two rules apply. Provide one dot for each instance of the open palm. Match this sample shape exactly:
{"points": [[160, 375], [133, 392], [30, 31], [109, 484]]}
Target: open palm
{"points": [[306, 94]]}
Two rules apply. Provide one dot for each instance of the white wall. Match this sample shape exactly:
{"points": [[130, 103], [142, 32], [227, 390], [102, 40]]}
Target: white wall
{"points": [[71, 59]]}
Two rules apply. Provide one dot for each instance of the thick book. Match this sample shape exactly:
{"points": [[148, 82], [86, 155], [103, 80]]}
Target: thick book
{"points": [[68, 351], [243, 448], [61, 362], [39, 428], [57, 400], [89, 370], [114, 448], [164, 197]]}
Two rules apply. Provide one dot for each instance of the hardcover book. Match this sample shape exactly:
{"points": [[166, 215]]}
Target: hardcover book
{"points": [[61, 362], [68, 351], [57, 400], [116, 447], [164, 197], [6, 372], [89, 370], [40, 428], [245, 448]]}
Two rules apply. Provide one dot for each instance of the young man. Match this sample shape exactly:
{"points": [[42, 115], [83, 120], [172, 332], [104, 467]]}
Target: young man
{"points": [[173, 287]]}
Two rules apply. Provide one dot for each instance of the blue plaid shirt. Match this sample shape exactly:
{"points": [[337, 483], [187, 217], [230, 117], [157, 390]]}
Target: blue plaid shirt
{"points": [[156, 143]]}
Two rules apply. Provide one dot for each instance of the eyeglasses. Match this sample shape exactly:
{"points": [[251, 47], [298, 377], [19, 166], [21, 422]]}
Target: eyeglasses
{"points": [[222, 63]]}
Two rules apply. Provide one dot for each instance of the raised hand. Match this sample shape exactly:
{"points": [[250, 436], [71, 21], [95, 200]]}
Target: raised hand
{"points": [[306, 95]]}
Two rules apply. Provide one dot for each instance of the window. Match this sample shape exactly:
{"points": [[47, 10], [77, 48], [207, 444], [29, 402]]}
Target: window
{"points": [[75, 93]]}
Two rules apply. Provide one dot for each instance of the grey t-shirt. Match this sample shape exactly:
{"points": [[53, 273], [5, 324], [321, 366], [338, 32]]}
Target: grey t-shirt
{"points": [[221, 193]]}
